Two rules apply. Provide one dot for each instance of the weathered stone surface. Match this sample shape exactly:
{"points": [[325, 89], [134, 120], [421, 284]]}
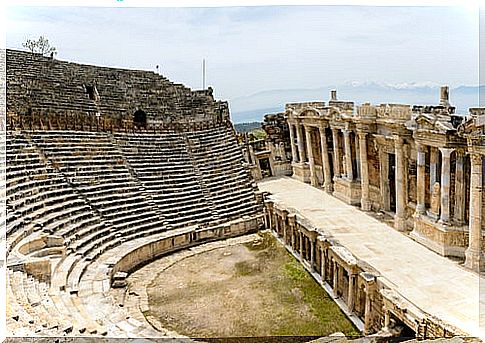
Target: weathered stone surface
{"points": [[410, 165], [404, 291]]}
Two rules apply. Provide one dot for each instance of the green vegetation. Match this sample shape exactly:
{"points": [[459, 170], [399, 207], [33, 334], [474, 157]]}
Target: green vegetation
{"points": [[40, 46], [247, 127], [257, 134], [252, 289]]}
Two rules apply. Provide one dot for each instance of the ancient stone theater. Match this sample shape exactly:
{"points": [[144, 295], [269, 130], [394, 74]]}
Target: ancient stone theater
{"points": [[110, 169], [107, 170]]}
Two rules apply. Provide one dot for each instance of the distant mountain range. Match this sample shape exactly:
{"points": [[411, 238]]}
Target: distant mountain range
{"points": [[247, 127], [254, 107]]}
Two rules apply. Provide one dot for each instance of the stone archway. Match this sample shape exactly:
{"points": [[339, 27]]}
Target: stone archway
{"points": [[140, 118]]}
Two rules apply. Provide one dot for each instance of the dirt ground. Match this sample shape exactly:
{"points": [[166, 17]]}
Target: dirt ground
{"points": [[253, 289]]}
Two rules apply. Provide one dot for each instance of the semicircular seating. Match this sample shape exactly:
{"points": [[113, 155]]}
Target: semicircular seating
{"points": [[83, 206]]}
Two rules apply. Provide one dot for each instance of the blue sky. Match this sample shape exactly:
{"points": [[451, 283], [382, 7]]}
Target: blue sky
{"points": [[253, 49]]}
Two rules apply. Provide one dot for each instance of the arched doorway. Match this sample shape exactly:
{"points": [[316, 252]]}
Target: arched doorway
{"points": [[140, 118]]}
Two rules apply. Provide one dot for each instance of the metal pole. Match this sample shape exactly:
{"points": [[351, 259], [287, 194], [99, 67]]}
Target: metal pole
{"points": [[203, 73]]}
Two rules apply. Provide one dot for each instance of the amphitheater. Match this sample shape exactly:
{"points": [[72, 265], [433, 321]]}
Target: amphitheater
{"points": [[111, 169]]}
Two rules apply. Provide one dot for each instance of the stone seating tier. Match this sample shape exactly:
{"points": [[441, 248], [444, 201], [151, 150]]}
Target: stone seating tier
{"points": [[100, 196], [44, 85]]}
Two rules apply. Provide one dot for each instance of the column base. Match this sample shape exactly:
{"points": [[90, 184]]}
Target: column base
{"points": [[444, 222], [474, 260], [400, 223], [420, 209], [445, 240], [347, 191], [328, 188], [365, 205], [433, 215], [301, 172]]}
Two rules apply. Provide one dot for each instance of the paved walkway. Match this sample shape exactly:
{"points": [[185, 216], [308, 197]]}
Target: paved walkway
{"points": [[433, 283]]}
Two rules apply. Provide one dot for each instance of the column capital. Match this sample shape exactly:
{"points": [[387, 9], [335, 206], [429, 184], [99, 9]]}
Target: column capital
{"points": [[362, 134], [284, 213], [345, 131], [476, 159], [398, 141], [420, 147], [446, 152], [460, 151]]}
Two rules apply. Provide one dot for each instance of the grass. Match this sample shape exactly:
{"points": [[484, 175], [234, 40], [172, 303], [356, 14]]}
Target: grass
{"points": [[266, 292], [329, 316]]}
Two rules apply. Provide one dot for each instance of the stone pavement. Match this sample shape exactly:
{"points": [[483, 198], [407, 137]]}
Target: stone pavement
{"points": [[431, 282]]}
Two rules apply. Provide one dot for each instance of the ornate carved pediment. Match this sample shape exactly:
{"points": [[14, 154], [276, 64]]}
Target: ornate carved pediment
{"points": [[425, 122], [309, 112], [367, 111], [473, 128], [394, 111], [334, 113], [429, 123]]}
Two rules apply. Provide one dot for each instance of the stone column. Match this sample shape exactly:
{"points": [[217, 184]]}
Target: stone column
{"points": [[348, 155], [399, 219], [311, 161], [269, 208], [336, 153], [433, 168], [271, 159], [301, 147], [350, 296], [335, 278], [367, 308], [252, 155], [312, 253], [277, 224], [357, 158], [445, 184], [294, 153], [291, 224], [384, 179], [283, 222], [473, 254], [282, 152], [387, 317], [327, 173], [420, 179], [322, 264], [459, 211], [364, 172], [301, 245]]}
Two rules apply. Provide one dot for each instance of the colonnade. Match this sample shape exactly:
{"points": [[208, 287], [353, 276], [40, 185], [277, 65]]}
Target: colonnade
{"points": [[345, 160], [368, 299], [330, 263], [443, 178], [337, 164]]}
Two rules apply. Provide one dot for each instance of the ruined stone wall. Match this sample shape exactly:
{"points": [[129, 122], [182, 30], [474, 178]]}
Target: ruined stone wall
{"points": [[55, 90], [276, 128], [374, 174]]}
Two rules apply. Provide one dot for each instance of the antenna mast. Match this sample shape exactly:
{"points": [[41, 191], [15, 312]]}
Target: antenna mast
{"points": [[203, 73]]}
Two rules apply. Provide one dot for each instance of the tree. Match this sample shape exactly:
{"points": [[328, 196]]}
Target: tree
{"points": [[40, 46]]}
